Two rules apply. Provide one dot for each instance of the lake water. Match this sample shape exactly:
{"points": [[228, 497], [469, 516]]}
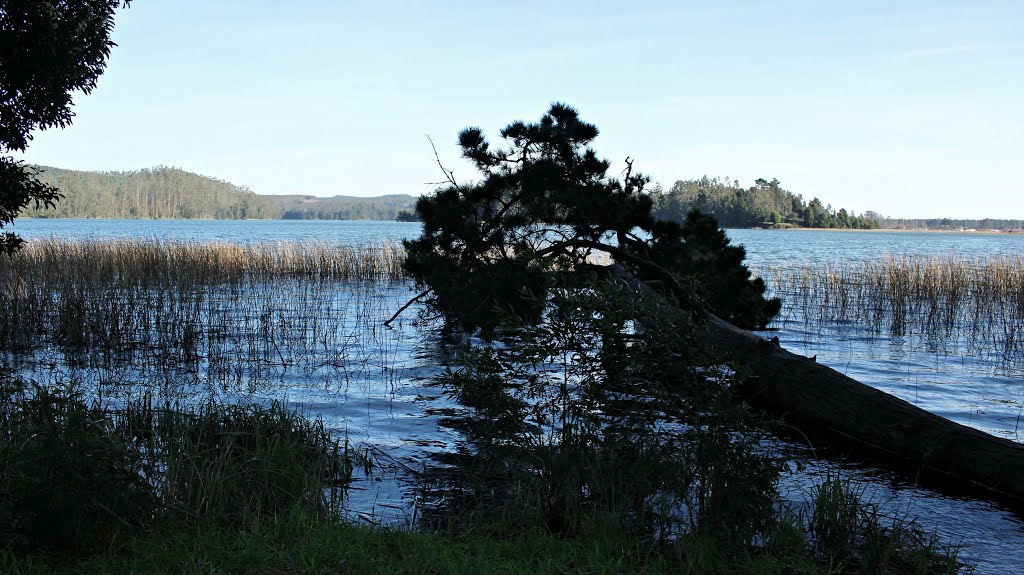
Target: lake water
{"points": [[243, 231], [387, 405], [983, 392]]}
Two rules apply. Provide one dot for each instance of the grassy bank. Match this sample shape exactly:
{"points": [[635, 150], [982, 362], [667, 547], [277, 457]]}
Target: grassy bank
{"points": [[77, 476], [295, 545]]}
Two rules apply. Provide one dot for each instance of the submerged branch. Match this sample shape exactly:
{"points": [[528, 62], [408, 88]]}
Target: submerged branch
{"points": [[415, 299]]}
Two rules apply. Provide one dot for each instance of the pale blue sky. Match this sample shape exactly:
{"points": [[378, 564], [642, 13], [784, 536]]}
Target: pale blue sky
{"points": [[908, 108]]}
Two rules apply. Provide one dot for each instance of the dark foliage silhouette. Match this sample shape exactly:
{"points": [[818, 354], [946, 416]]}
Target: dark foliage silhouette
{"points": [[48, 51], [544, 208]]}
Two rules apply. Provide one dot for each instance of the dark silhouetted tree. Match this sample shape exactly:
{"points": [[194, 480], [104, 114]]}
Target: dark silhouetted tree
{"points": [[545, 206], [48, 51]]}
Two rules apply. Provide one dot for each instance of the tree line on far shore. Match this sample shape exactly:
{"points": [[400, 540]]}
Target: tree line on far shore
{"points": [[172, 193], [764, 205], [767, 205], [951, 224]]}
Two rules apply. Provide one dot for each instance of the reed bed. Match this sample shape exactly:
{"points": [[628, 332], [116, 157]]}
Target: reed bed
{"points": [[152, 261], [219, 314], [978, 302]]}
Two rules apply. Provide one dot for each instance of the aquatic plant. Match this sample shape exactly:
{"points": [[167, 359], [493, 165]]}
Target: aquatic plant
{"points": [[980, 302], [233, 464], [846, 527], [77, 476], [222, 315], [67, 482]]}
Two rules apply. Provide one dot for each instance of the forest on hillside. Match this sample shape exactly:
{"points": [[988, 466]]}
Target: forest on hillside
{"points": [[157, 193], [294, 207], [172, 193]]}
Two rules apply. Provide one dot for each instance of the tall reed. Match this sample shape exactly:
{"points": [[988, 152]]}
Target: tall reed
{"points": [[143, 262], [847, 527], [980, 302], [231, 464], [224, 315]]}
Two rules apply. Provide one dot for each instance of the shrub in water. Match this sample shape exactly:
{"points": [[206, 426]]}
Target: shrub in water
{"points": [[606, 413], [231, 464]]}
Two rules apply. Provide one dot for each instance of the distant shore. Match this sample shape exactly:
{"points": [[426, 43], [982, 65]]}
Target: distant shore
{"points": [[914, 231], [968, 231]]}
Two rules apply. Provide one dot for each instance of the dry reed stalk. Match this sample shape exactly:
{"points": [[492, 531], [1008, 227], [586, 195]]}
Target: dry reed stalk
{"points": [[981, 301], [132, 261], [227, 311]]}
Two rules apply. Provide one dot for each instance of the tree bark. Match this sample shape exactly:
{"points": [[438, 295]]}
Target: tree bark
{"points": [[817, 400]]}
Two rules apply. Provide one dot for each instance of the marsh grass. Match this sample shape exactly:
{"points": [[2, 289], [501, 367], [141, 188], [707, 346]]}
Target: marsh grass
{"points": [[950, 301], [232, 464], [149, 262], [78, 477], [845, 527], [222, 315]]}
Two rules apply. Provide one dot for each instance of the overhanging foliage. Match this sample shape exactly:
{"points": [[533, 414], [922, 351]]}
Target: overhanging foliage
{"points": [[546, 206]]}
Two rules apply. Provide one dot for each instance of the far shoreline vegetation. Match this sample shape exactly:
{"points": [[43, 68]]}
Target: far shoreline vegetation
{"points": [[172, 193]]}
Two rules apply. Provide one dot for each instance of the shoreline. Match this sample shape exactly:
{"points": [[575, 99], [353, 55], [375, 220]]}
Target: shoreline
{"points": [[992, 232], [786, 229]]}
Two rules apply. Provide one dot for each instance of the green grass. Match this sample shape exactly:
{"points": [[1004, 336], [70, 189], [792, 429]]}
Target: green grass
{"points": [[295, 544], [78, 479]]}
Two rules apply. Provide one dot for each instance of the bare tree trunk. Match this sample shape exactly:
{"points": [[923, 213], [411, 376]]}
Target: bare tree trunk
{"points": [[819, 400]]}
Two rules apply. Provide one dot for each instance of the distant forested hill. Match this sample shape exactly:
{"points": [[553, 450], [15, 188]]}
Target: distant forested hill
{"points": [[159, 193], [172, 193], [340, 207], [765, 204]]}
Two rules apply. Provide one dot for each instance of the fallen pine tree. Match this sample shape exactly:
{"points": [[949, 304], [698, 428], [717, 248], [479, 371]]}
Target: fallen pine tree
{"points": [[822, 402], [546, 207]]}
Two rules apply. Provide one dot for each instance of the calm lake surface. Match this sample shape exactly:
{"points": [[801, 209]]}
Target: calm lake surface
{"points": [[387, 404]]}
